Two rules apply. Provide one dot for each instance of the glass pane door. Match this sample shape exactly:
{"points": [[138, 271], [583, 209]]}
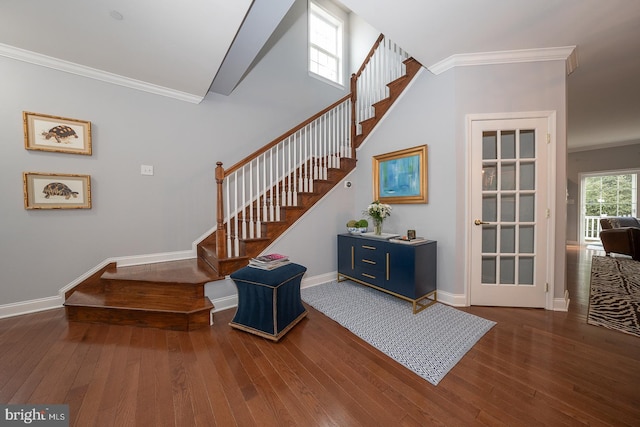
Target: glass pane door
{"points": [[508, 207]]}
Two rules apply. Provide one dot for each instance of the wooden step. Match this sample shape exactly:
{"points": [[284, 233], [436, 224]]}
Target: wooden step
{"points": [[181, 314], [166, 295], [225, 266], [172, 279]]}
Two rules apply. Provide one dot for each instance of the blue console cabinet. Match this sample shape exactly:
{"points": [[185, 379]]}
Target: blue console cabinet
{"points": [[407, 271]]}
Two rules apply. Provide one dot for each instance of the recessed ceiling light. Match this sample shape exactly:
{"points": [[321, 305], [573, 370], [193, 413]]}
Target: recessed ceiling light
{"points": [[116, 15]]}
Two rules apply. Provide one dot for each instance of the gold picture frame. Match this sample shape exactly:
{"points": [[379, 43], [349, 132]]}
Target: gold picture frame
{"points": [[401, 176], [60, 134], [56, 191]]}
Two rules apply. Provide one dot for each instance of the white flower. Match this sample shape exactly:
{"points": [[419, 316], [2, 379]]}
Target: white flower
{"points": [[378, 211]]}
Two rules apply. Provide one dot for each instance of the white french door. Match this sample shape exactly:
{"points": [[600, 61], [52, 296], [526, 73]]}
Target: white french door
{"points": [[509, 212]]}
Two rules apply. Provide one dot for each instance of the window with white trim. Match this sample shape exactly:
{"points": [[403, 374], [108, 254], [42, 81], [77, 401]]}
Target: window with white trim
{"points": [[325, 44]]}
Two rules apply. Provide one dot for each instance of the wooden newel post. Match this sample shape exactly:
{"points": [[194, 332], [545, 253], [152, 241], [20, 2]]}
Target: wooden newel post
{"points": [[354, 98], [221, 238]]}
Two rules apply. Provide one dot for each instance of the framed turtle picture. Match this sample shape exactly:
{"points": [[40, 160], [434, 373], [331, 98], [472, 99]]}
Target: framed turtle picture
{"points": [[53, 133], [56, 191]]}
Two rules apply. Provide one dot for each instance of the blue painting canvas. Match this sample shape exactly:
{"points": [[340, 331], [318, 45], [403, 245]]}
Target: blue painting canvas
{"points": [[400, 177]]}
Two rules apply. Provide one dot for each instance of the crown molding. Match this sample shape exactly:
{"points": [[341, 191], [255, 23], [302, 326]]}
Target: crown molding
{"points": [[93, 73], [565, 53]]}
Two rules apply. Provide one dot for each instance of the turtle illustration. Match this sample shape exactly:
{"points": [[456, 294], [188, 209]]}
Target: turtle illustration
{"points": [[60, 133], [58, 189]]}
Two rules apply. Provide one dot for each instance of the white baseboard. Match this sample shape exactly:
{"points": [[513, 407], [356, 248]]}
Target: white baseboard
{"points": [[32, 306], [225, 303], [454, 300], [231, 301], [319, 279], [562, 304], [220, 304], [128, 261], [48, 303]]}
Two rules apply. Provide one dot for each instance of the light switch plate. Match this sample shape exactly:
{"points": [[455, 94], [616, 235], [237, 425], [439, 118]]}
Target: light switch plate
{"points": [[146, 170]]}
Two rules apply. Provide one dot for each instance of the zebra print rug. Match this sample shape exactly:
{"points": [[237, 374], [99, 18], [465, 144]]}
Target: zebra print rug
{"points": [[614, 298]]}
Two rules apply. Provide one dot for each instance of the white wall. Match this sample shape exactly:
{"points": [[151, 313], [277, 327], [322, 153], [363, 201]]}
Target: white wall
{"points": [[43, 251], [433, 112], [362, 38], [423, 115], [521, 87]]}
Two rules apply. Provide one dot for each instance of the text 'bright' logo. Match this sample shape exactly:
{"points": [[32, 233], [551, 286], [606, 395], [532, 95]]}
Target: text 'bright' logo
{"points": [[40, 415]]}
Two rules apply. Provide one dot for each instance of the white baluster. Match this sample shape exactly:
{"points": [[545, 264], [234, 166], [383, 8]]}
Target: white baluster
{"points": [[289, 171], [307, 163], [325, 146], [275, 183], [316, 131], [343, 125], [251, 223], [227, 204], [282, 176], [236, 241], [243, 203], [334, 132], [303, 156], [265, 208], [258, 188], [296, 168], [321, 141], [336, 138], [271, 198]]}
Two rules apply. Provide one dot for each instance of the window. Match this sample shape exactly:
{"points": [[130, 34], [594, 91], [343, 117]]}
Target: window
{"points": [[613, 193], [610, 195], [325, 44]]}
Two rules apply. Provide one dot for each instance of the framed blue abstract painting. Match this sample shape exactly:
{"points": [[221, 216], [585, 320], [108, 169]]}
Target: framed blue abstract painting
{"points": [[401, 176]]}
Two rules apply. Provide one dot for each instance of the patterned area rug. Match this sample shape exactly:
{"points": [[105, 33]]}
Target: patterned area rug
{"points": [[429, 343], [614, 298]]}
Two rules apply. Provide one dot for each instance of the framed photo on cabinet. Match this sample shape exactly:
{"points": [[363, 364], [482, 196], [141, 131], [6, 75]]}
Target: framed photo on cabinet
{"points": [[53, 133]]}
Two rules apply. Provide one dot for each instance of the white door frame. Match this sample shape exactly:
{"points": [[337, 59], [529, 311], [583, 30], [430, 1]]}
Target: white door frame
{"points": [[551, 195]]}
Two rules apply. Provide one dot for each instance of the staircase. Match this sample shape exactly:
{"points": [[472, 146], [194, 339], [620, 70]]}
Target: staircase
{"points": [[166, 295], [258, 199]]}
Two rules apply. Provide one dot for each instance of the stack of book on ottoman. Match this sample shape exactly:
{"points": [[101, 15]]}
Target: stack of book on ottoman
{"points": [[269, 261]]}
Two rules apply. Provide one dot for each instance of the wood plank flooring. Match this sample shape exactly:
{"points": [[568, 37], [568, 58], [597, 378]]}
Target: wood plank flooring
{"points": [[533, 368]]}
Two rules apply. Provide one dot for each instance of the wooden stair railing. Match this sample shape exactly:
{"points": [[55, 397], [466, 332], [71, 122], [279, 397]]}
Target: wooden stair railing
{"points": [[266, 192]]}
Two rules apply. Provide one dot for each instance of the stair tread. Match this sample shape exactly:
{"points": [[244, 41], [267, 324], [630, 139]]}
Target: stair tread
{"points": [[87, 298], [192, 271]]}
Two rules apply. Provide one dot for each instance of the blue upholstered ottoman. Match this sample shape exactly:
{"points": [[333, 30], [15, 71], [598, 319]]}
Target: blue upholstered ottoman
{"points": [[269, 301]]}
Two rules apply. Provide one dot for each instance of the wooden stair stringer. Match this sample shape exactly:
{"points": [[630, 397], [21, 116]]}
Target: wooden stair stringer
{"points": [[396, 88]]}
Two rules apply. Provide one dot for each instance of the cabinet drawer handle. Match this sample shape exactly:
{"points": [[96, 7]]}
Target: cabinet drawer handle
{"points": [[387, 265], [373, 248], [369, 261], [352, 258], [368, 275]]}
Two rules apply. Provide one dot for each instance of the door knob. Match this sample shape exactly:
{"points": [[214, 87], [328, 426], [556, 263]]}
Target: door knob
{"points": [[479, 222]]}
